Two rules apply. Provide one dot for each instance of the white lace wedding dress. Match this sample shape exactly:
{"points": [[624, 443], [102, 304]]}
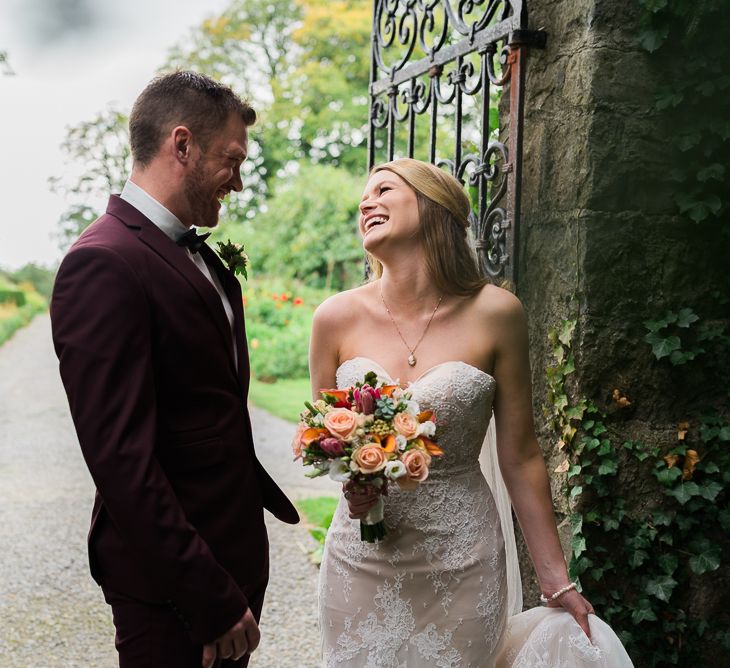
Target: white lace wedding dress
{"points": [[441, 589]]}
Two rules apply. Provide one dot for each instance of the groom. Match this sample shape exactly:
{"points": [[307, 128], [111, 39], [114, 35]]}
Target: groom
{"points": [[148, 328]]}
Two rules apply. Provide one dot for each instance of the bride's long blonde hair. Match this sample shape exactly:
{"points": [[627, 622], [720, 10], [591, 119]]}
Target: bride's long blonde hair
{"points": [[443, 211]]}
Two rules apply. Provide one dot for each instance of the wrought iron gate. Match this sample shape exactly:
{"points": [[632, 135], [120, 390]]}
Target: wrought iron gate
{"points": [[449, 60]]}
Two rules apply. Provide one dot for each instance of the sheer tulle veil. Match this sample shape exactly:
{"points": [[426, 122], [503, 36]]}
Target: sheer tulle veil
{"points": [[490, 469]]}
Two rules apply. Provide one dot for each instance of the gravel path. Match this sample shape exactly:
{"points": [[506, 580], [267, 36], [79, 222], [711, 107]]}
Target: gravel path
{"points": [[52, 614]]}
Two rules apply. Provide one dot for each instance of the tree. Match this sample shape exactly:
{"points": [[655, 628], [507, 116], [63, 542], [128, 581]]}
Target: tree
{"points": [[309, 231], [100, 148]]}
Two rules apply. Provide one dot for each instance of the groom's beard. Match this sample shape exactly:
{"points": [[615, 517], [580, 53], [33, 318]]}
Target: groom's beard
{"points": [[204, 205]]}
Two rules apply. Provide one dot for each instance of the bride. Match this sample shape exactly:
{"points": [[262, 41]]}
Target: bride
{"points": [[442, 589]]}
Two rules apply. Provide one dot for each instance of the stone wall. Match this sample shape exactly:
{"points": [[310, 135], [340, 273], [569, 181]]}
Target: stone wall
{"points": [[600, 238]]}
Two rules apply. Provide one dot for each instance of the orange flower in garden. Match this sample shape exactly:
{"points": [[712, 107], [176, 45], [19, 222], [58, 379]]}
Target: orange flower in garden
{"points": [[275, 297], [298, 301], [254, 343], [284, 297], [245, 303]]}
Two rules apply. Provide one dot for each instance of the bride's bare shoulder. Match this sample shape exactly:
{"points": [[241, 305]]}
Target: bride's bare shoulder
{"points": [[343, 306], [497, 305]]}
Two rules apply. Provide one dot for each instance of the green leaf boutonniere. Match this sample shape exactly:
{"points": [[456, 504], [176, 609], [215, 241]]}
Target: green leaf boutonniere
{"points": [[234, 256]]}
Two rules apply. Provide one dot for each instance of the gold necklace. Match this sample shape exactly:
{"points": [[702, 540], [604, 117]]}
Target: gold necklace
{"points": [[412, 361]]}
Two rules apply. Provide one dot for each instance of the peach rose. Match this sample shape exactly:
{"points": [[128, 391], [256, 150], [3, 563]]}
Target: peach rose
{"points": [[296, 444], [341, 423], [370, 458], [416, 462], [406, 424]]}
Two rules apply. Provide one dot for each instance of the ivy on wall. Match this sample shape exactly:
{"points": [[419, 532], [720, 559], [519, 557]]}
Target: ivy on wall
{"points": [[688, 39], [638, 563]]}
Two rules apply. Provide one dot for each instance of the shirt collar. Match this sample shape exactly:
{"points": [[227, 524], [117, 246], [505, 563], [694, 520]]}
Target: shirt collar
{"points": [[148, 206]]}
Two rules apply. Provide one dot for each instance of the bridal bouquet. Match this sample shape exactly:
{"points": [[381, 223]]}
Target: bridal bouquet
{"points": [[372, 434]]}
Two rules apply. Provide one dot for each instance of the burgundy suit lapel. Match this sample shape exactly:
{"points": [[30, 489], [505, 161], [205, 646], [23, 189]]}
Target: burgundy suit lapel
{"points": [[177, 258], [232, 288]]}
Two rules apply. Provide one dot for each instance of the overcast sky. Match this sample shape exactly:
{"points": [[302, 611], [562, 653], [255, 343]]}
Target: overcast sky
{"points": [[71, 59]]}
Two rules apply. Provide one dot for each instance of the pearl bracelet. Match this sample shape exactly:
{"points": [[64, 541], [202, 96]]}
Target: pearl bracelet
{"points": [[547, 599]]}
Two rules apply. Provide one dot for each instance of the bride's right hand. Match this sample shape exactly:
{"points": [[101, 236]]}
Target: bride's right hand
{"points": [[360, 499]]}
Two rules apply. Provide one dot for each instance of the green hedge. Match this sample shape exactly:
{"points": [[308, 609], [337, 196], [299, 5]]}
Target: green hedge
{"points": [[16, 313]]}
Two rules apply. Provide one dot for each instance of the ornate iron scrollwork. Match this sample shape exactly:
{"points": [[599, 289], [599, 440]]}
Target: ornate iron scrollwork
{"points": [[445, 59]]}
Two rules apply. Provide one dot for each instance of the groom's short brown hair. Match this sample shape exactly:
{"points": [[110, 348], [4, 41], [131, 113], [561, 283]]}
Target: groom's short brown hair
{"points": [[194, 100]]}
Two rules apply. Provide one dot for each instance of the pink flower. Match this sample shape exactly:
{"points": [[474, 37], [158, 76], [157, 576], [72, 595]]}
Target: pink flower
{"points": [[416, 463], [365, 398], [332, 447], [370, 458], [296, 444], [341, 423], [406, 425]]}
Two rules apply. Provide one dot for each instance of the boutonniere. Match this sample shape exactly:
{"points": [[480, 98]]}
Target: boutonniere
{"points": [[234, 256]]}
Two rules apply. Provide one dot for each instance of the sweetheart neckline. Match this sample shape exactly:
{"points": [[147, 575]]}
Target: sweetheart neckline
{"points": [[427, 371]]}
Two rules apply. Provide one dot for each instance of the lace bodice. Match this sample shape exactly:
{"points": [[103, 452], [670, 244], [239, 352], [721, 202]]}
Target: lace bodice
{"points": [[459, 394]]}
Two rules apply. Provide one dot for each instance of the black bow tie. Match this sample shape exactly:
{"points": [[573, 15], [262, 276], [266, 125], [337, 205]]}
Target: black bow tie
{"points": [[192, 240]]}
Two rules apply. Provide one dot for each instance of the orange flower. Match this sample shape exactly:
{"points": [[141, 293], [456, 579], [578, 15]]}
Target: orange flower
{"points": [[390, 444], [431, 447], [284, 297], [340, 397], [311, 434], [425, 416], [298, 301], [387, 390], [245, 303]]}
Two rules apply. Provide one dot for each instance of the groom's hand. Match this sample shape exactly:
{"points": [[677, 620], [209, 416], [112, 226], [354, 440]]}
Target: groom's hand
{"points": [[242, 638]]}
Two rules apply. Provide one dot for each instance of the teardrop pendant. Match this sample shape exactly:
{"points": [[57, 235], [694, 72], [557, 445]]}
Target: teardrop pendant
{"points": [[412, 360]]}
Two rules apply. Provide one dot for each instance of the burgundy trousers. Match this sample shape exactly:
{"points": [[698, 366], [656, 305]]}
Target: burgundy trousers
{"points": [[152, 636]]}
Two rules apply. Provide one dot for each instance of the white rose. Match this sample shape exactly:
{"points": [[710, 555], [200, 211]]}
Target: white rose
{"points": [[427, 429], [412, 407], [401, 442], [394, 469], [339, 470]]}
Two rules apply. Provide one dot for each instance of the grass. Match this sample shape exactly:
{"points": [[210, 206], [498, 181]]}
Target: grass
{"points": [[318, 512], [13, 318], [284, 398]]}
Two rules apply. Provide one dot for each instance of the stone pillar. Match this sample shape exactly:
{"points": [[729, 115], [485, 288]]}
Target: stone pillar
{"points": [[600, 236]]}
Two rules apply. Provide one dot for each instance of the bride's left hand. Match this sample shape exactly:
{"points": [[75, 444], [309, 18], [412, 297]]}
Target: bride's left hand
{"points": [[578, 606]]}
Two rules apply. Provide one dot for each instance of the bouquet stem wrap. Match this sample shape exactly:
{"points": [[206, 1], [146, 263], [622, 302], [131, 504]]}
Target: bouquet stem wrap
{"points": [[372, 527]]}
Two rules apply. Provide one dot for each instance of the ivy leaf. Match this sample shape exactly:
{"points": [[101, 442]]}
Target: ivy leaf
{"points": [[684, 492], [576, 491], [655, 325], [637, 557], [650, 40], [668, 476], [578, 543], [724, 433], [710, 490], [687, 316], [566, 332], [661, 346], [668, 563], [661, 587], [599, 429], [706, 561], [713, 172], [643, 612], [608, 467], [724, 517]]}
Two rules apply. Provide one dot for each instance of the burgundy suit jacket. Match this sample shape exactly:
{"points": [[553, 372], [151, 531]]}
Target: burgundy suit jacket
{"points": [[146, 358]]}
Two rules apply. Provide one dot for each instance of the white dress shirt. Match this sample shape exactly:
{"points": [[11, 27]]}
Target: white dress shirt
{"points": [[170, 224]]}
